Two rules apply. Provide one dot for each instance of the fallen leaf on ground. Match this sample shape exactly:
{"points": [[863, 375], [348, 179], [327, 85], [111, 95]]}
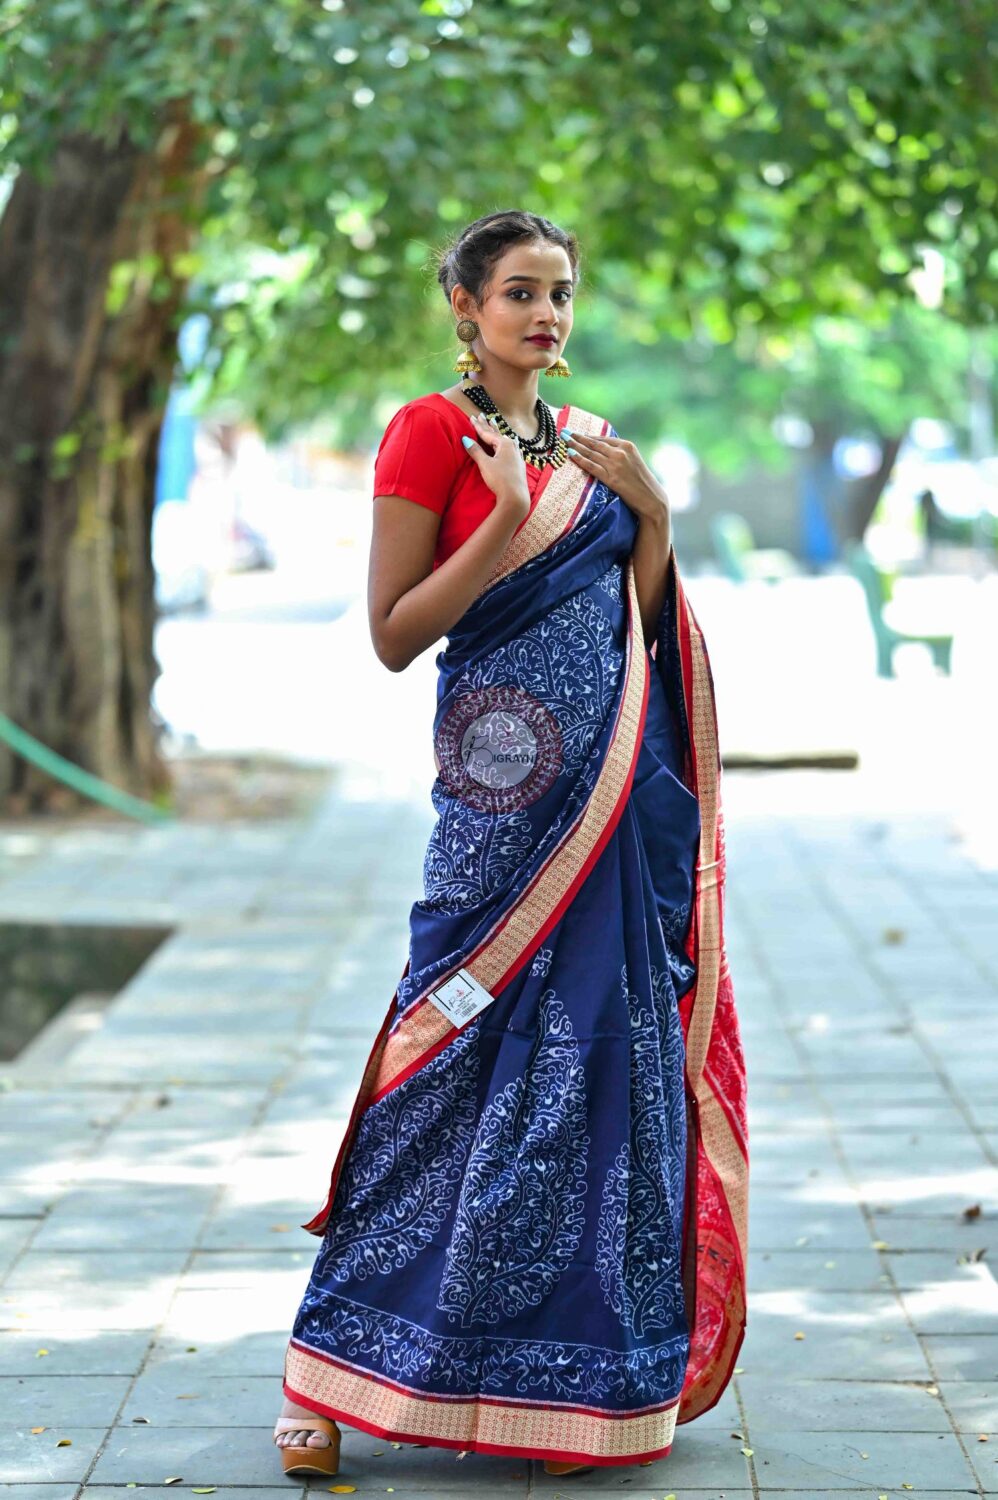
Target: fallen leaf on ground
{"points": [[982, 1437], [279, 1228], [881, 1245], [973, 1212], [40, 1352], [64, 1443], [39, 1429], [800, 1335], [208, 1489], [141, 1419], [342, 1489], [748, 1452], [174, 1479]]}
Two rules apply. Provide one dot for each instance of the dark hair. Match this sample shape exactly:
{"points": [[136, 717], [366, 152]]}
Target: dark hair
{"points": [[471, 258]]}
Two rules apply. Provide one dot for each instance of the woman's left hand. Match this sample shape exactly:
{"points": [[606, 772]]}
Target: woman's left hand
{"points": [[617, 462]]}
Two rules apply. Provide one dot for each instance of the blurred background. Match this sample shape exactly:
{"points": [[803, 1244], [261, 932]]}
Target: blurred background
{"points": [[216, 286], [217, 230]]}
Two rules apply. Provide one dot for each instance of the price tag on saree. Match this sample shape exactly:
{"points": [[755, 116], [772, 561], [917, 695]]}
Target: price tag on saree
{"points": [[461, 997]]}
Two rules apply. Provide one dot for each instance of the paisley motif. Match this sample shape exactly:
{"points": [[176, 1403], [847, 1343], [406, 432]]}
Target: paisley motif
{"points": [[399, 1182], [520, 1215], [640, 1227]]}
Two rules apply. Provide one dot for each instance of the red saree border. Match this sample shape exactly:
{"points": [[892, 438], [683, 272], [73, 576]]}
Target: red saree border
{"points": [[512, 1428], [715, 1069]]}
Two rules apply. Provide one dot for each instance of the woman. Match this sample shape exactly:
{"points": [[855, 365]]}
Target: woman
{"points": [[534, 1237]]}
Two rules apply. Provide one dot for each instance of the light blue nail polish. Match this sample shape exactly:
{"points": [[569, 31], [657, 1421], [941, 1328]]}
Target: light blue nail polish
{"points": [[572, 451], [467, 441], [565, 432]]}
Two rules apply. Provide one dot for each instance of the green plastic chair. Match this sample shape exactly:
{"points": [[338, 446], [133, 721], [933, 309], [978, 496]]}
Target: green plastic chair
{"points": [[878, 590], [740, 559]]}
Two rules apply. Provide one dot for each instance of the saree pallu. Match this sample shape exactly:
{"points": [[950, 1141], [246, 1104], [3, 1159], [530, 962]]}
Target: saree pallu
{"points": [[535, 1233]]}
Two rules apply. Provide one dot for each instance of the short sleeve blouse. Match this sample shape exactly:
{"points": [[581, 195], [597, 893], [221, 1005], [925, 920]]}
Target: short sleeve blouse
{"points": [[422, 458]]}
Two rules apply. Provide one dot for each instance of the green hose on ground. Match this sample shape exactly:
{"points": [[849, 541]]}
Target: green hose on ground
{"points": [[81, 781]]}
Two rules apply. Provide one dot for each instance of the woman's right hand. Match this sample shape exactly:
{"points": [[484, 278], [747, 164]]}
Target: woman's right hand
{"points": [[501, 465]]}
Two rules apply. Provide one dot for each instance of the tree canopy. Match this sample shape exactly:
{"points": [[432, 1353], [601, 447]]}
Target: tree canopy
{"points": [[726, 163]]}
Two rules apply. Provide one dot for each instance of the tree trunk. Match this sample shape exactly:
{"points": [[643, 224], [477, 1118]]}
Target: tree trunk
{"points": [[864, 493], [83, 389]]}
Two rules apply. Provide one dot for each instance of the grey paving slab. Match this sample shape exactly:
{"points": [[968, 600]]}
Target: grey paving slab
{"points": [[288, 1486], [803, 1269], [973, 1404], [935, 1231], [248, 1456], [32, 1457], [809, 1405], [963, 1356], [56, 1351], [796, 1459], [72, 1400]]}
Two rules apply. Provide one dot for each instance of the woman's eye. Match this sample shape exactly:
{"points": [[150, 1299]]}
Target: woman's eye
{"points": [[563, 293]]}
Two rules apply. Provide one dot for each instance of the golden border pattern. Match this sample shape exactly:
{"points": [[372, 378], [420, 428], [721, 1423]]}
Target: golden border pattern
{"points": [[519, 928], [494, 1422]]}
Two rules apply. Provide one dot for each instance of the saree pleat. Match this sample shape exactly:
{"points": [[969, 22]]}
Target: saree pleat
{"points": [[534, 1237]]}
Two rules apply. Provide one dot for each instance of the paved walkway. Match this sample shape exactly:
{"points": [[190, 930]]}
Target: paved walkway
{"points": [[151, 1249]]}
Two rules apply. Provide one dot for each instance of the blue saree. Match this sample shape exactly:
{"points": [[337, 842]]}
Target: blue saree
{"points": [[534, 1237]]}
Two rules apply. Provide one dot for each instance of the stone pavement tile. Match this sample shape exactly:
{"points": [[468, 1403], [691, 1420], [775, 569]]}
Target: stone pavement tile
{"points": [[804, 1269], [973, 1403], [972, 1356], [847, 1335], [247, 1352], [60, 1490], [253, 1228], [284, 1485], [171, 1397], [224, 1313], [968, 1305], [35, 1457], [30, 1200], [844, 1094], [120, 1231], [113, 1290], [73, 1400], [14, 1235], [795, 1459], [868, 1054], [91, 1351], [785, 1158], [839, 1405], [873, 1118], [249, 1456], [779, 1225], [287, 1486], [917, 1192], [211, 1270], [912, 1269], [985, 1462], [935, 1231]]}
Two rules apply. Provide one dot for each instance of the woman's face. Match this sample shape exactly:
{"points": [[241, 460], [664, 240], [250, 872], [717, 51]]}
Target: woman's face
{"points": [[529, 296]]}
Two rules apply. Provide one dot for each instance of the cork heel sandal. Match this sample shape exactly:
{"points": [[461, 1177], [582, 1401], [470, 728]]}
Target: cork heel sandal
{"points": [[298, 1458], [553, 1466]]}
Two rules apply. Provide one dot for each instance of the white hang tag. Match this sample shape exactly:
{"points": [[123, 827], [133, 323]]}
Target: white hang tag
{"points": [[461, 997]]}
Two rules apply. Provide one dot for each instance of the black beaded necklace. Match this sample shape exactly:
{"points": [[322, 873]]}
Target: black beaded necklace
{"points": [[546, 447]]}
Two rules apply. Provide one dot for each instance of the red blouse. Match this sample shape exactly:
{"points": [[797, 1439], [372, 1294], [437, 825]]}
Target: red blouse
{"points": [[422, 458]]}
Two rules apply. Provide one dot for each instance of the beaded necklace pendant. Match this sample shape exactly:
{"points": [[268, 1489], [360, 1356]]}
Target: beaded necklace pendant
{"points": [[544, 448]]}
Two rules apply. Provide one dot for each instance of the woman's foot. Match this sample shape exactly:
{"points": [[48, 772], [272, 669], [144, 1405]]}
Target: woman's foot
{"points": [[302, 1438]]}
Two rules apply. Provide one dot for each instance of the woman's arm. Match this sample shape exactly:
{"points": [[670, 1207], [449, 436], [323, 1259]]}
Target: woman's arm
{"points": [[410, 604], [652, 555]]}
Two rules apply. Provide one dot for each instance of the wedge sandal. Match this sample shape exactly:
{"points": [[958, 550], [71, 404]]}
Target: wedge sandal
{"points": [[298, 1458]]}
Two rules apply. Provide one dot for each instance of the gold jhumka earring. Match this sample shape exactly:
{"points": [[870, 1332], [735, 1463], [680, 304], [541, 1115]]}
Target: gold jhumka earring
{"points": [[468, 362], [560, 367]]}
